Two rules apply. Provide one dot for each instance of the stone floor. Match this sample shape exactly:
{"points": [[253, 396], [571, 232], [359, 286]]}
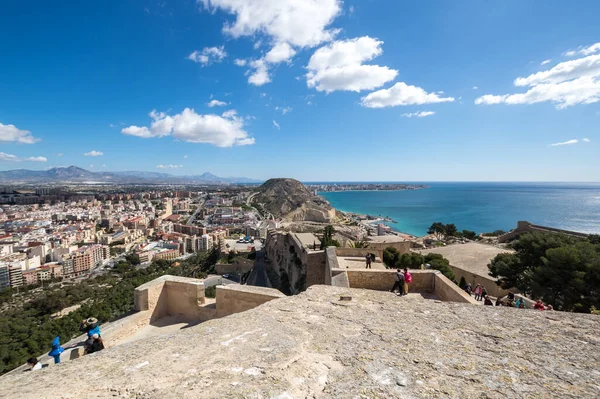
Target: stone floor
{"points": [[376, 345], [357, 262]]}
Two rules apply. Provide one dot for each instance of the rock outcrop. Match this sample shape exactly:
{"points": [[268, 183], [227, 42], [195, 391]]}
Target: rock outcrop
{"points": [[376, 345], [290, 200]]}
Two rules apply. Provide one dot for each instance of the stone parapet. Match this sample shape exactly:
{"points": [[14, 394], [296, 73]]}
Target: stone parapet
{"points": [[235, 299]]}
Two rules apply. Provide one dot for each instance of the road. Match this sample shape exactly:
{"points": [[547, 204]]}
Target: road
{"points": [[258, 276], [198, 209]]}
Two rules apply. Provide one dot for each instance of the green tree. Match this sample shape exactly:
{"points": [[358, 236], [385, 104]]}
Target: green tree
{"points": [[410, 260], [438, 262], [438, 230], [328, 240], [390, 257], [468, 234], [450, 230], [358, 244], [510, 272], [463, 283], [134, 259]]}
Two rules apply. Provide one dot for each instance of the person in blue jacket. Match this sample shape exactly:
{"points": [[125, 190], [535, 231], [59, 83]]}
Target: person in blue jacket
{"points": [[91, 327], [56, 350]]}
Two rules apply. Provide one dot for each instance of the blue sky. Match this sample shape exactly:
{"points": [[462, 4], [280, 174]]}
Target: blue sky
{"points": [[316, 89]]}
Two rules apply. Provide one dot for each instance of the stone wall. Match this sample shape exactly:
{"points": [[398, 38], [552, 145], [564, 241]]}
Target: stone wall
{"points": [[526, 227], [383, 280], [339, 278], [488, 282], [446, 290], [422, 281], [171, 296], [296, 267], [242, 266], [239, 298]]}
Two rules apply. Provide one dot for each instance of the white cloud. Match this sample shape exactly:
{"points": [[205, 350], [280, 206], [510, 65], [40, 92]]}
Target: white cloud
{"points": [[59, 154], [12, 133], [420, 114], [185, 157], [490, 99], [402, 94], [281, 52], [232, 113], [111, 125], [594, 48], [260, 75], [351, 9], [240, 62], [94, 153], [475, 87], [169, 166], [339, 66], [301, 23], [569, 142], [545, 62], [138, 131], [581, 67], [36, 159], [208, 55], [285, 110], [566, 84], [276, 125], [263, 94], [216, 103], [189, 126], [586, 140], [8, 157]]}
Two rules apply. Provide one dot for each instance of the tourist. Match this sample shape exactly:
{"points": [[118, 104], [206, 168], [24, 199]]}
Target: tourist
{"points": [[487, 301], [90, 326], [499, 302], [407, 280], [468, 289], [483, 291], [478, 292], [539, 305], [399, 283], [549, 307], [522, 305], [369, 260], [511, 296], [519, 301], [34, 364], [97, 344]]}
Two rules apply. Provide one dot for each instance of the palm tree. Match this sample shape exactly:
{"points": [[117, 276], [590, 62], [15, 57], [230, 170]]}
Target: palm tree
{"points": [[358, 244]]}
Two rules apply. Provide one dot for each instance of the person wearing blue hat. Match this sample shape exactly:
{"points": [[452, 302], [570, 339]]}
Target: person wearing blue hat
{"points": [[56, 350]]}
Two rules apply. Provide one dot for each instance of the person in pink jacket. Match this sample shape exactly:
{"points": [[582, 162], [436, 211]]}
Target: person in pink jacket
{"points": [[407, 280]]}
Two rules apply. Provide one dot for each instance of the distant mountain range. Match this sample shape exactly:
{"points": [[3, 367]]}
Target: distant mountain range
{"points": [[77, 174]]}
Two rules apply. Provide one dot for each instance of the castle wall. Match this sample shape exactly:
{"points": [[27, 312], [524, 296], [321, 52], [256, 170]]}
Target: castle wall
{"points": [[235, 299]]}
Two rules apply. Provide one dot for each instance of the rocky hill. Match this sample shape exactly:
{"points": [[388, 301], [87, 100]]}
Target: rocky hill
{"points": [[313, 345], [290, 200]]}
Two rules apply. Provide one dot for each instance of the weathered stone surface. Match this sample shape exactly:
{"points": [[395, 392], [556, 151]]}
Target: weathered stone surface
{"points": [[377, 345]]}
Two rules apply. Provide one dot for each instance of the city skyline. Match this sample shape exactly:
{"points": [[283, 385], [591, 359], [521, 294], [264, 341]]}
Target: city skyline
{"points": [[326, 91]]}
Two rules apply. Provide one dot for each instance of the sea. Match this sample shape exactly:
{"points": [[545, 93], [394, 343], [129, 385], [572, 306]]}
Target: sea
{"points": [[481, 207]]}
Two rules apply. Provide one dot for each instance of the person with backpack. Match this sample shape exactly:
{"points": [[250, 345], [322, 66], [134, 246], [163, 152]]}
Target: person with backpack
{"points": [[399, 283], [368, 259]]}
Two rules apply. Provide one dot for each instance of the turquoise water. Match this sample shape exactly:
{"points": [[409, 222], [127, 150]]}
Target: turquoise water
{"points": [[481, 207]]}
